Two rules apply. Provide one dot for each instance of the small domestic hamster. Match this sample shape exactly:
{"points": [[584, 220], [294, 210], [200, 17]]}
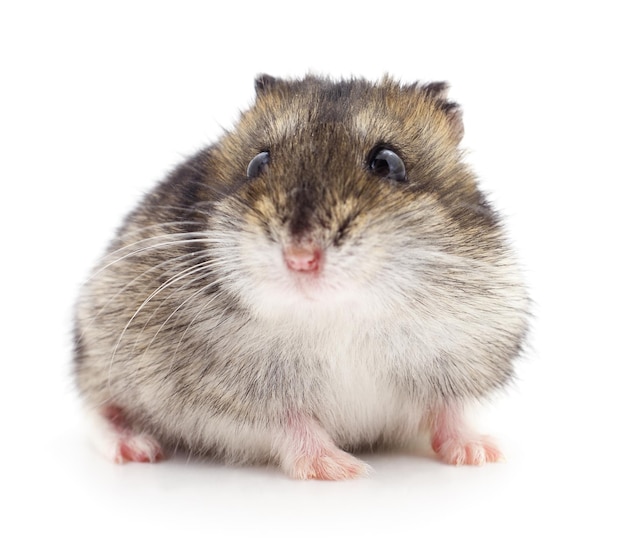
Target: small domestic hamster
{"points": [[326, 277]]}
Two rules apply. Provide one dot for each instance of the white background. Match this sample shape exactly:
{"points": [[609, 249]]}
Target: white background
{"points": [[98, 100]]}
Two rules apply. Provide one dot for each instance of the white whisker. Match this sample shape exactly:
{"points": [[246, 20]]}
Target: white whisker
{"points": [[142, 250], [172, 280], [195, 269], [207, 265], [169, 264], [166, 284], [199, 312], [187, 300]]}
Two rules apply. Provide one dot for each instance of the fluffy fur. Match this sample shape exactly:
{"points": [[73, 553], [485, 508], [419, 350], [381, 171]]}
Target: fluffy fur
{"points": [[196, 331]]}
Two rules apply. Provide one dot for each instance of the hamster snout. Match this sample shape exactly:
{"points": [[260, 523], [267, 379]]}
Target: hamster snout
{"points": [[325, 277], [303, 257]]}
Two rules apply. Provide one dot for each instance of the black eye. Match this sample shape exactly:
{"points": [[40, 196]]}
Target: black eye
{"points": [[258, 164], [387, 164]]}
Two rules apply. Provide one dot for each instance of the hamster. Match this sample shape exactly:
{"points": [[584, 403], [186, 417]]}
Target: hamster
{"points": [[325, 278]]}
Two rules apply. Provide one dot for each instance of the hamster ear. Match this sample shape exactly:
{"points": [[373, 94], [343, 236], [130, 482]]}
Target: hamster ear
{"points": [[264, 83], [438, 90], [455, 117]]}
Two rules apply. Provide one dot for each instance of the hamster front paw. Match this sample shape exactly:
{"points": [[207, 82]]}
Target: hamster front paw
{"points": [[307, 452], [470, 450], [329, 464], [456, 444]]}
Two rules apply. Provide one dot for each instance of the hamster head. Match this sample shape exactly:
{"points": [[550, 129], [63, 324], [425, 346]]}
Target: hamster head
{"points": [[346, 195]]}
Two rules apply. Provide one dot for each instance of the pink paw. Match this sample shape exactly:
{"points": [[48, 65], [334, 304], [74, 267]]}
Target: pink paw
{"points": [[332, 464], [460, 451], [457, 444], [308, 452], [116, 439], [137, 448]]}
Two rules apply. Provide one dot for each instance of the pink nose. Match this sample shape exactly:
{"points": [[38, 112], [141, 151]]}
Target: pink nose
{"points": [[304, 259]]}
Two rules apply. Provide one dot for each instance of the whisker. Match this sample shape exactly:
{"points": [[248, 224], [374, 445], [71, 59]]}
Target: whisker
{"points": [[200, 267], [163, 225], [182, 337], [178, 236], [189, 271], [166, 284], [170, 264], [176, 278], [203, 255], [139, 251], [187, 300]]}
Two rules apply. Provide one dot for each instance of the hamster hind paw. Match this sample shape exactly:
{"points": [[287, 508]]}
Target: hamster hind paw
{"points": [[117, 441], [137, 448]]}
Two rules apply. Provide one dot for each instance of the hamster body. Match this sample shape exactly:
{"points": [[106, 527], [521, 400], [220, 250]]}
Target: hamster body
{"points": [[326, 277]]}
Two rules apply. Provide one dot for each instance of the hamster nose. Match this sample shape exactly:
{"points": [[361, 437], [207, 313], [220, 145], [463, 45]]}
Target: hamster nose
{"points": [[303, 258]]}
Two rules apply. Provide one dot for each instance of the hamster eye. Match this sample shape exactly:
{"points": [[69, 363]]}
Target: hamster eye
{"points": [[258, 164], [385, 163]]}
